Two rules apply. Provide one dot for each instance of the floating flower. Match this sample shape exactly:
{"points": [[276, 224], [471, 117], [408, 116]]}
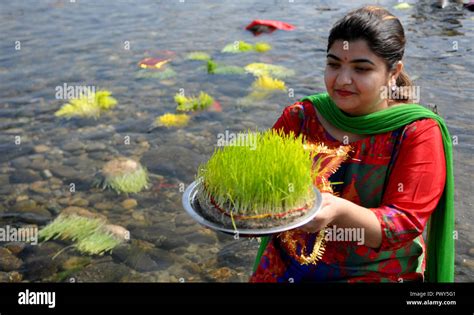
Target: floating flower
{"points": [[262, 47], [172, 120], [88, 105], [258, 27], [153, 63], [124, 175], [241, 46], [258, 69], [161, 74], [198, 55], [402, 6], [185, 104], [214, 68], [262, 88], [264, 82]]}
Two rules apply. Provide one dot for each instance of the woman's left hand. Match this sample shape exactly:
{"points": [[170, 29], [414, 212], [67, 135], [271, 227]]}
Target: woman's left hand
{"points": [[332, 209]]}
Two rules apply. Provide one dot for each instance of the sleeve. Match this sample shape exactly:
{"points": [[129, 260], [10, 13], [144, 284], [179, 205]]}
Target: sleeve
{"points": [[292, 119], [415, 185]]}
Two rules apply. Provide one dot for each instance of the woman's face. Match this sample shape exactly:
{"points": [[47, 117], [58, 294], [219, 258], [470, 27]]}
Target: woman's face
{"points": [[354, 77]]}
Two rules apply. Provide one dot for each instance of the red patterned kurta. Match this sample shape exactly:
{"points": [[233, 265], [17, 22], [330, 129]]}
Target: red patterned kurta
{"points": [[399, 175]]}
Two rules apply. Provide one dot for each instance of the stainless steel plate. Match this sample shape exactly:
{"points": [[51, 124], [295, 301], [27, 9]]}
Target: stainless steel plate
{"points": [[191, 205]]}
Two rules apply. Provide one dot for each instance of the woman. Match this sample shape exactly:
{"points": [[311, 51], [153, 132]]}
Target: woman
{"points": [[399, 173]]}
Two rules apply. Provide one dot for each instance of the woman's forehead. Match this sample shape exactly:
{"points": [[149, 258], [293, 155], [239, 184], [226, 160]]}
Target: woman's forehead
{"points": [[349, 50]]}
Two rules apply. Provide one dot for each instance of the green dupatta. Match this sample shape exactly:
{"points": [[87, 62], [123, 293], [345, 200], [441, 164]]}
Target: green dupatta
{"points": [[440, 245]]}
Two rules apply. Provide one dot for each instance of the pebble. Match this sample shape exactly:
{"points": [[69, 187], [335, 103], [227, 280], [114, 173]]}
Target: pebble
{"points": [[82, 212], [15, 247], [11, 151], [64, 172], [54, 207], [174, 160], [8, 261], [100, 156], [38, 262], [40, 267], [22, 198], [95, 198], [238, 253], [102, 272], [30, 207], [39, 165], [24, 176], [202, 238], [55, 153], [21, 162], [41, 148], [222, 274], [129, 203], [73, 145], [79, 202], [75, 262], [40, 199], [468, 263], [63, 201], [164, 277], [30, 217], [104, 205], [46, 174], [56, 181], [38, 187], [4, 180], [135, 258], [13, 276], [95, 146], [138, 216], [24, 205], [119, 231], [471, 252], [193, 248], [152, 234]]}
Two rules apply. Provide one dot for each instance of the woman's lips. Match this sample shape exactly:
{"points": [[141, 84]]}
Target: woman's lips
{"points": [[344, 93]]}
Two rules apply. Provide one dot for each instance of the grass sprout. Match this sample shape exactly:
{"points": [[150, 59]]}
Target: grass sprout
{"points": [[89, 104], [89, 234], [124, 176], [186, 104], [271, 177]]}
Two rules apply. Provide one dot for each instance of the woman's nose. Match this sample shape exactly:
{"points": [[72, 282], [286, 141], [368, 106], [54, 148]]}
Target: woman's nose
{"points": [[343, 78]]}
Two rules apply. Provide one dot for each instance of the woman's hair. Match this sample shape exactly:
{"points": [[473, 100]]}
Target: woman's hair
{"points": [[382, 31]]}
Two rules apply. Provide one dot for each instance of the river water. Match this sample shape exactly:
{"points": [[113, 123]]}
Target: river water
{"points": [[46, 44]]}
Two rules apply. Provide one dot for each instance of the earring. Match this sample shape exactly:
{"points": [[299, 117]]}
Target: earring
{"points": [[394, 87]]}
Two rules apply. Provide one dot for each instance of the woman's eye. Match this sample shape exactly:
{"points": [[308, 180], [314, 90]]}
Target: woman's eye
{"points": [[333, 65], [358, 69]]}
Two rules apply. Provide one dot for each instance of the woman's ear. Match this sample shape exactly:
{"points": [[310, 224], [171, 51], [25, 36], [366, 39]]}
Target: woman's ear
{"points": [[397, 69]]}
